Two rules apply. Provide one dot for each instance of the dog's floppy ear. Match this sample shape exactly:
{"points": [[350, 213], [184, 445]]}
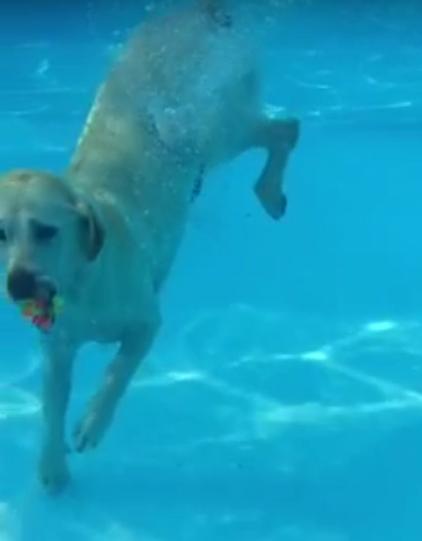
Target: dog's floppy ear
{"points": [[92, 231]]}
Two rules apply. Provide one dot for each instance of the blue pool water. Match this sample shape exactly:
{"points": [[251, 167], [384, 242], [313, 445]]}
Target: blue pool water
{"points": [[283, 399]]}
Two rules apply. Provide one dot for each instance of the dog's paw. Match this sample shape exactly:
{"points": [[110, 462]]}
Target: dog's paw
{"points": [[53, 471], [89, 432]]}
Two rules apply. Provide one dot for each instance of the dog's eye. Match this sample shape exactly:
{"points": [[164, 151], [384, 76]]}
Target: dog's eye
{"points": [[44, 232]]}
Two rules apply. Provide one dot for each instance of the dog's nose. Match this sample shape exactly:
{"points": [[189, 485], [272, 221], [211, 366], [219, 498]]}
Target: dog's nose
{"points": [[21, 284]]}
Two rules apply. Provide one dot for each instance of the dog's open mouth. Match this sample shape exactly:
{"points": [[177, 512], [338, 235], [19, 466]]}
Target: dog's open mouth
{"points": [[43, 307]]}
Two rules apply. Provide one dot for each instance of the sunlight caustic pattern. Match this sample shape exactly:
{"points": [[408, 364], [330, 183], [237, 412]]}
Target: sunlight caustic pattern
{"points": [[270, 414], [15, 402]]}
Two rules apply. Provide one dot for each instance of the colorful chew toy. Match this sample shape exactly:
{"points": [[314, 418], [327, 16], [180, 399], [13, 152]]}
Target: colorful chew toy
{"points": [[42, 313]]}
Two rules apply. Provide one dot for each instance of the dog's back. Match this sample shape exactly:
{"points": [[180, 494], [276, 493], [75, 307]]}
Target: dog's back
{"points": [[180, 81], [164, 116]]}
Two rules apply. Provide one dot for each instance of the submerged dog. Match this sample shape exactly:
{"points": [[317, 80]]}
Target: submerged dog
{"points": [[86, 254]]}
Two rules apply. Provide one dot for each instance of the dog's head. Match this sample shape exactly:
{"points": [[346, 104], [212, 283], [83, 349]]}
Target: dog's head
{"points": [[47, 234]]}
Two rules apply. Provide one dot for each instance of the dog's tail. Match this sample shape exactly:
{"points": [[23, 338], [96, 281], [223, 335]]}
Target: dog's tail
{"points": [[217, 12]]}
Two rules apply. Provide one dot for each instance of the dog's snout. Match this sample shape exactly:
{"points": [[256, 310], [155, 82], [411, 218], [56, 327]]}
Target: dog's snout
{"points": [[21, 284]]}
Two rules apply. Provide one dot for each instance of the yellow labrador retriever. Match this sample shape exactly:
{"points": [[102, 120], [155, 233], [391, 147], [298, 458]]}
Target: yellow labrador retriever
{"points": [[182, 98]]}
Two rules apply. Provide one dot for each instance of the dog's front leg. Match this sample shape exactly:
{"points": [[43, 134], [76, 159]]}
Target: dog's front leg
{"points": [[57, 372], [101, 409]]}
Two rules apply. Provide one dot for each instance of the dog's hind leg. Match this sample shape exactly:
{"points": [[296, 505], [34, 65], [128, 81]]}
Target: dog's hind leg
{"points": [[278, 136]]}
